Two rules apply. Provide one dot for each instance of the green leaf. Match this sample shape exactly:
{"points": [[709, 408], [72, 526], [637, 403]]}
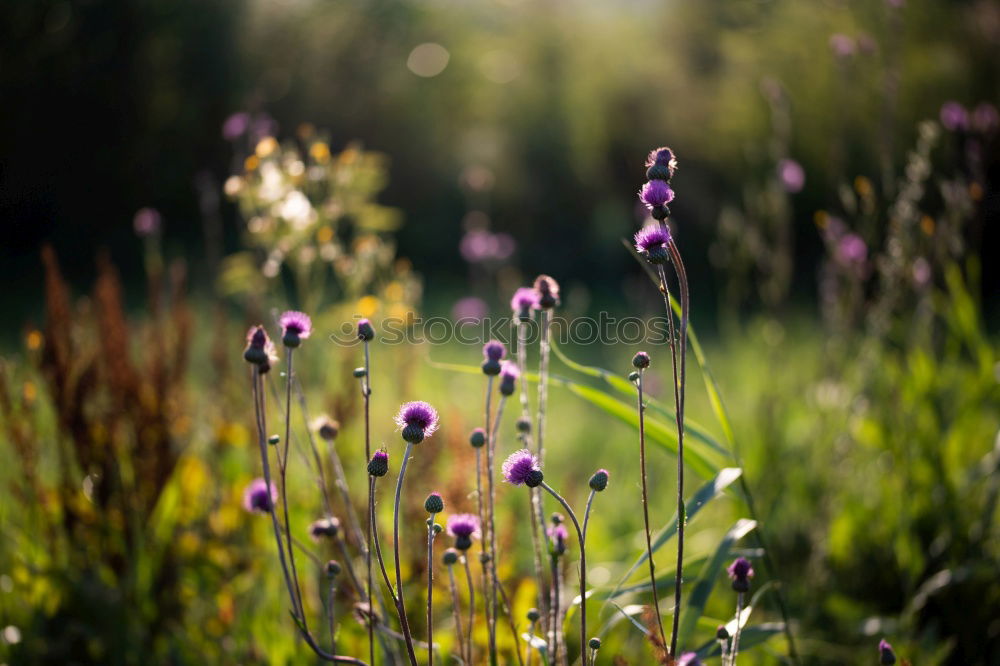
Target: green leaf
{"points": [[702, 589]]}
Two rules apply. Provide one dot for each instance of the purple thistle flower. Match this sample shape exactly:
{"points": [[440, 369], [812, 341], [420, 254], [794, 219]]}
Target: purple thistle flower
{"points": [[689, 659], [259, 350], [651, 241], [379, 464], [656, 193], [740, 572], [842, 45], [886, 655], [147, 222], [954, 117], [521, 467], [257, 498], [508, 377], [791, 175], [418, 420], [235, 126], [464, 527], [324, 528], [852, 249], [295, 327], [525, 300], [365, 330], [494, 350], [660, 164], [469, 307], [558, 535], [548, 292]]}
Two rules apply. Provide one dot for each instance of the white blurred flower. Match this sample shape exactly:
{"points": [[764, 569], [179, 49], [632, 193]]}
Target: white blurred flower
{"points": [[297, 211]]}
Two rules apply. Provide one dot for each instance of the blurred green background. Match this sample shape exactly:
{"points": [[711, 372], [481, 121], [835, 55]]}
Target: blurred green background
{"points": [[837, 206]]}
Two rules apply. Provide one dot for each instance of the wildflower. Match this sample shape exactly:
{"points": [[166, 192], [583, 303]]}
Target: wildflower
{"points": [[326, 428], [599, 481], [656, 193], [469, 307], [842, 45], [886, 655], [594, 643], [660, 164], [689, 659], [521, 467], [365, 330], [450, 556], [548, 292], [260, 349], [147, 222], [324, 528], [418, 421], [640, 360], [525, 300], [508, 377], [257, 498], [477, 438], [791, 175], [379, 464], [740, 572], [295, 327], [493, 351], [434, 503], [954, 117], [852, 249], [464, 527], [558, 536], [651, 241]]}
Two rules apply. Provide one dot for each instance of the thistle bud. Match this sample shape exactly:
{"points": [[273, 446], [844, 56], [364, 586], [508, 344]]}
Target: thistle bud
{"points": [[640, 360], [434, 503], [450, 557], [273, 440], [359, 373], [548, 292], [633, 376], [326, 428], [721, 633], [534, 478], [477, 438], [886, 655], [365, 331], [324, 528], [534, 615], [437, 529], [523, 425], [594, 643], [379, 464], [332, 568], [599, 481]]}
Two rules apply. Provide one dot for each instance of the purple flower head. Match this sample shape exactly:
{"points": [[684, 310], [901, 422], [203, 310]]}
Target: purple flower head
{"points": [[379, 464], [791, 175], [651, 242], [740, 572], [469, 307], [257, 498], [365, 330], [558, 536], [660, 164], [295, 327], [464, 527], [509, 375], [525, 300], [147, 222], [656, 193], [852, 249], [494, 350], [886, 655], [418, 420], [521, 467], [548, 292], [842, 45], [235, 126], [259, 349], [954, 117], [324, 528], [689, 659], [985, 118]]}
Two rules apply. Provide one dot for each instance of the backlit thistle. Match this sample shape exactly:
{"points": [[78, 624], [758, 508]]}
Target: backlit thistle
{"points": [[464, 527], [493, 352], [366, 332], [557, 538], [740, 572], [660, 164], [689, 659], [548, 292], [324, 528], [525, 300], [508, 379], [599, 481], [379, 463], [434, 504], [522, 468], [640, 361], [259, 350], [417, 420], [886, 655], [295, 327], [651, 242], [256, 497], [656, 194]]}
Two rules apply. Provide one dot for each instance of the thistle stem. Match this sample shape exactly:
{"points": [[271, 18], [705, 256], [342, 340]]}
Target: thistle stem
{"points": [[490, 473], [366, 393], [430, 591], [284, 487], [739, 628], [378, 549], [645, 509], [472, 602], [583, 570], [400, 605], [489, 591], [543, 382], [554, 622], [457, 610]]}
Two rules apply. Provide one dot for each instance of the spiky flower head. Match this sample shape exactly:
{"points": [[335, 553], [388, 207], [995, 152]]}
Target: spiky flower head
{"points": [[434, 503], [640, 360], [464, 527], [594, 643], [651, 242], [379, 464], [656, 193], [558, 535], [534, 615], [493, 351], [326, 428], [740, 572], [295, 327], [450, 556], [548, 292], [418, 420], [689, 659], [660, 164], [886, 655], [259, 349], [525, 300], [324, 528], [257, 498], [508, 377], [477, 438], [365, 330], [521, 467], [599, 481]]}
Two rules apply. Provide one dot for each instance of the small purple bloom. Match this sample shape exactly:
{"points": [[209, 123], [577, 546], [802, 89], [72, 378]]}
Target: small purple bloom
{"points": [[494, 350], [295, 327], [792, 176], [954, 117], [524, 300], [985, 117], [656, 193], [464, 527], [418, 420], [740, 572], [469, 307], [660, 164], [509, 375], [520, 467], [379, 464], [147, 222], [689, 659], [257, 498], [365, 330], [259, 350], [324, 528], [548, 292], [852, 249], [235, 125], [886, 655], [650, 237], [842, 45], [558, 535]]}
